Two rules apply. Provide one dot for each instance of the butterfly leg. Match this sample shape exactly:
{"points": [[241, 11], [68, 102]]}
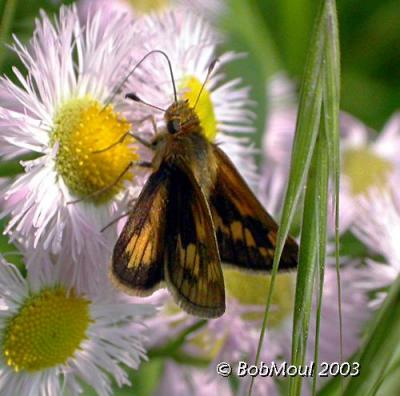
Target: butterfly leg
{"points": [[142, 141], [118, 218], [135, 136], [121, 216], [150, 118], [119, 141], [155, 130], [142, 164]]}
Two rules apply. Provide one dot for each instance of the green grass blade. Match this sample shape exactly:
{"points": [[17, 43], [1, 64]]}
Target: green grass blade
{"points": [[323, 185], [307, 127], [312, 251], [331, 98]]}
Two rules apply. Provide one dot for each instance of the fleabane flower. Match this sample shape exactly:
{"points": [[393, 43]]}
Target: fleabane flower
{"points": [[69, 116], [377, 225], [53, 338], [222, 107], [367, 159]]}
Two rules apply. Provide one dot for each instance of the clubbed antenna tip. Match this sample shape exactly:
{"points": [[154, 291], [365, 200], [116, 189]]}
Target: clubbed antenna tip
{"points": [[135, 98]]}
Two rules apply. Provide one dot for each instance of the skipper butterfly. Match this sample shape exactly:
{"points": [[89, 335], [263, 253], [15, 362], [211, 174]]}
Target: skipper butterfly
{"points": [[194, 213]]}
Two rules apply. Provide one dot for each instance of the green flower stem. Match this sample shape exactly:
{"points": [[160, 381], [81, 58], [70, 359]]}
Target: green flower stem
{"points": [[173, 348]]}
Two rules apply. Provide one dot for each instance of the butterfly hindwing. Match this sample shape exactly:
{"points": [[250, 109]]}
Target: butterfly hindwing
{"points": [[138, 260], [246, 233], [192, 264]]}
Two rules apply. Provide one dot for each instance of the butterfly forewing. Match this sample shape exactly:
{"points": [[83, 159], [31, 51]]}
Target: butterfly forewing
{"points": [[192, 264], [245, 232], [138, 260]]}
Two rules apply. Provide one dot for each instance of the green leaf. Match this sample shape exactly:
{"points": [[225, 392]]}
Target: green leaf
{"points": [[10, 168]]}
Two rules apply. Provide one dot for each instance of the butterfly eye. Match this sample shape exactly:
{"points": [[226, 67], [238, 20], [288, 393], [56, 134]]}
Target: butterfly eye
{"points": [[173, 126]]}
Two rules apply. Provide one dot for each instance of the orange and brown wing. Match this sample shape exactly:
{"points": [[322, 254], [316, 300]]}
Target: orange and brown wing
{"points": [[138, 259], [192, 265], [246, 233]]}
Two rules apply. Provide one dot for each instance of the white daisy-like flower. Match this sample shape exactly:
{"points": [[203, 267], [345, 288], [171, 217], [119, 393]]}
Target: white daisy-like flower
{"points": [[377, 225], [65, 117], [367, 159], [223, 107], [53, 338], [8, 100]]}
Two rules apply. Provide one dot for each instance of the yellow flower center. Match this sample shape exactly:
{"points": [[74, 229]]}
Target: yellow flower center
{"points": [[147, 6], [251, 289], [365, 169], [88, 157], [46, 331], [190, 88]]}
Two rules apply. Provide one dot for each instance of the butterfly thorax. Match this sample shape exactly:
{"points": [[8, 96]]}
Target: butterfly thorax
{"points": [[184, 143]]}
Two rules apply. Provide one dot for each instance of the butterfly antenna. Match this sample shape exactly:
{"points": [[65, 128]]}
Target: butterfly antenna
{"points": [[119, 88], [136, 98], [209, 71]]}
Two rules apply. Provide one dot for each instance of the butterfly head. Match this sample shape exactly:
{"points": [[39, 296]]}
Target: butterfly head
{"points": [[181, 117]]}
